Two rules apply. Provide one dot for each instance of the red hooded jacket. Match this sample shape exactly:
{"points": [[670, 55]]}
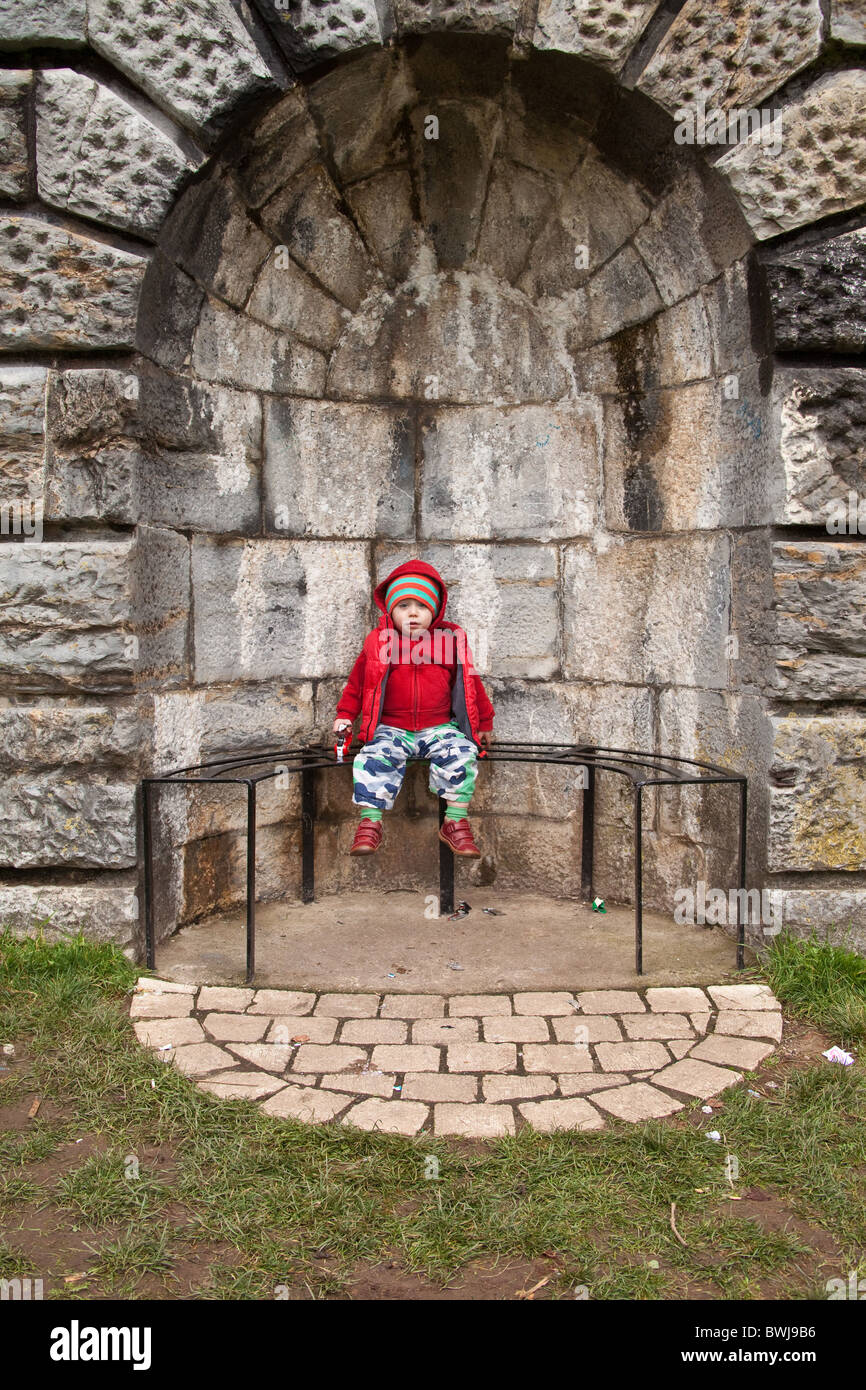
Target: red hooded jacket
{"points": [[414, 683]]}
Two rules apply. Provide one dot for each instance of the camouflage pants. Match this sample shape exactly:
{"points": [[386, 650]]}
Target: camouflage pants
{"points": [[379, 766]]}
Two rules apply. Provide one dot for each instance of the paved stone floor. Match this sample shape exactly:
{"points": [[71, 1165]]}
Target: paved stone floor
{"points": [[478, 1065]]}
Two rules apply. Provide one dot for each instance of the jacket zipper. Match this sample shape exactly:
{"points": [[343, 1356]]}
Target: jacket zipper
{"points": [[414, 695]]}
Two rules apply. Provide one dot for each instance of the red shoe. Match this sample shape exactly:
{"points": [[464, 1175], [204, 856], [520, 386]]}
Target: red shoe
{"points": [[368, 837], [458, 835]]}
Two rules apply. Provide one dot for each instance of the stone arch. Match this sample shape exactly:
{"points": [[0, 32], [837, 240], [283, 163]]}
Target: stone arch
{"points": [[170, 402]]}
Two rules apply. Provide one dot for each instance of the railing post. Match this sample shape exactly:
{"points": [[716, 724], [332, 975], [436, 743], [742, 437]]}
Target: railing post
{"points": [[741, 896], [446, 868], [587, 832], [638, 880], [308, 830], [147, 846], [251, 881]]}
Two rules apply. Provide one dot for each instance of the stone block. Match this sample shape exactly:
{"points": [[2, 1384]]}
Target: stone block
{"points": [[636, 1102], [402, 345], [479, 1056], [148, 984], [759, 998], [731, 54], [99, 157], [311, 1057], [265, 609], [553, 1003], [234, 1027], [589, 1028], [372, 1030], [199, 1059], [200, 86], [415, 16], [847, 21], [153, 1005], [517, 1029], [377, 82], [210, 234], [438, 1031], [818, 295], [348, 1005], [159, 1033], [476, 1005], [22, 432], [668, 630], [405, 1058], [502, 1088], [606, 32], [430, 1086], [387, 1117], [661, 1026], [287, 299], [549, 1115], [804, 180], [14, 161], [62, 290], [282, 1001], [732, 1051], [305, 216], [106, 911], [582, 1083], [473, 1121], [300, 1103], [413, 1006], [671, 348], [171, 304], [750, 1023], [610, 1001], [245, 1090], [820, 599], [299, 1028], [513, 233], [527, 472], [556, 1057], [190, 726], [657, 473], [383, 208], [679, 999], [42, 23], [817, 816], [365, 452], [273, 1057], [233, 349], [622, 293], [820, 420], [362, 1084], [227, 999], [308, 34], [838, 914], [691, 1077], [740, 313], [630, 1056], [271, 151]]}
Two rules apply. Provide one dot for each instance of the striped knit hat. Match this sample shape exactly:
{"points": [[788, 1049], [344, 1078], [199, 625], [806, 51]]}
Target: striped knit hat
{"points": [[416, 586]]}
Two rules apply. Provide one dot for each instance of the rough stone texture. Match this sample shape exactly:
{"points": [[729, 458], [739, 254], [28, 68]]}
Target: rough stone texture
{"points": [[153, 1005], [663, 1026], [837, 914], [209, 233], [437, 1086], [108, 909], [526, 472], [226, 999], [14, 161], [820, 592], [306, 217], [817, 817], [348, 1005], [239, 352], [282, 1001], [97, 156], [287, 1029], [259, 607], [476, 16], [56, 820], [556, 1057], [198, 1059], [590, 1028], [848, 21], [501, 1088], [820, 419], [286, 298], [313, 1107], [60, 290], [818, 295], [372, 1030], [272, 150], [750, 1023], [22, 429], [666, 631], [605, 32], [695, 1078], [515, 1029], [273, 1057], [473, 1121], [439, 1031], [308, 32], [483, 1056], [809, 178], [630, 1056], [58, 23], [605, 1001], [172, 1032], [731, 53], [374, 1084], [554, 1003], [677, 1000], [365, 453], [752, 997], [146, 984], [234, 1027], [732, 1051], [198, 71], [636, 1102], [403, 345], [550, 1115], [388, 1117]]}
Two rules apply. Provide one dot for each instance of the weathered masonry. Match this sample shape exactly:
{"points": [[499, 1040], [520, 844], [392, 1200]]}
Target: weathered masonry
{"points": [[291, 293]]}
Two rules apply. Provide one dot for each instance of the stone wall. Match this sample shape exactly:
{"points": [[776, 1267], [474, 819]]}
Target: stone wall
{"points": [[293, 293]]}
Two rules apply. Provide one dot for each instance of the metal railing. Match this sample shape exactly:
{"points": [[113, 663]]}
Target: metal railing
{"points": [[640, 769]]}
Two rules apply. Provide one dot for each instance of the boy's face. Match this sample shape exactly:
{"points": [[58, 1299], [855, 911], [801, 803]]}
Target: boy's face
{"points": [[410, 616]]}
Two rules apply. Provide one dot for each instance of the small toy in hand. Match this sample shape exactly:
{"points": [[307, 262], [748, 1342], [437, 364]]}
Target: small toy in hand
{"points": [[340, 750]]}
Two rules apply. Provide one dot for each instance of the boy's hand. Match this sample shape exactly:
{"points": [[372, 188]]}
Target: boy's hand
{"points": [[341, 725], [485, 738]]}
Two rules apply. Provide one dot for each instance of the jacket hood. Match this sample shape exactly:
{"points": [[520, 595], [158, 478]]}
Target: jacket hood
{"points": [[410, 567]]}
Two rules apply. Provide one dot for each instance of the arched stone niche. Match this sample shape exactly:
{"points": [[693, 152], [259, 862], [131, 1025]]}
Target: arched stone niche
{"points": [[536, 349]]}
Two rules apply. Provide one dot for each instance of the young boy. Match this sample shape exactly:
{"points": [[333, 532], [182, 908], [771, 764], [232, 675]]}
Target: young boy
{"points": [[418, 696]]}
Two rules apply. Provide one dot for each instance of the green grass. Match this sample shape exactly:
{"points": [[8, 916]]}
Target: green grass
{"points": [[270, 1203]]}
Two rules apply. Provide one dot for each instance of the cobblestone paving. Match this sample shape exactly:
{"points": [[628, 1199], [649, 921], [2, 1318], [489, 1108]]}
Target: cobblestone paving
{"points": [[477, 1065]]}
